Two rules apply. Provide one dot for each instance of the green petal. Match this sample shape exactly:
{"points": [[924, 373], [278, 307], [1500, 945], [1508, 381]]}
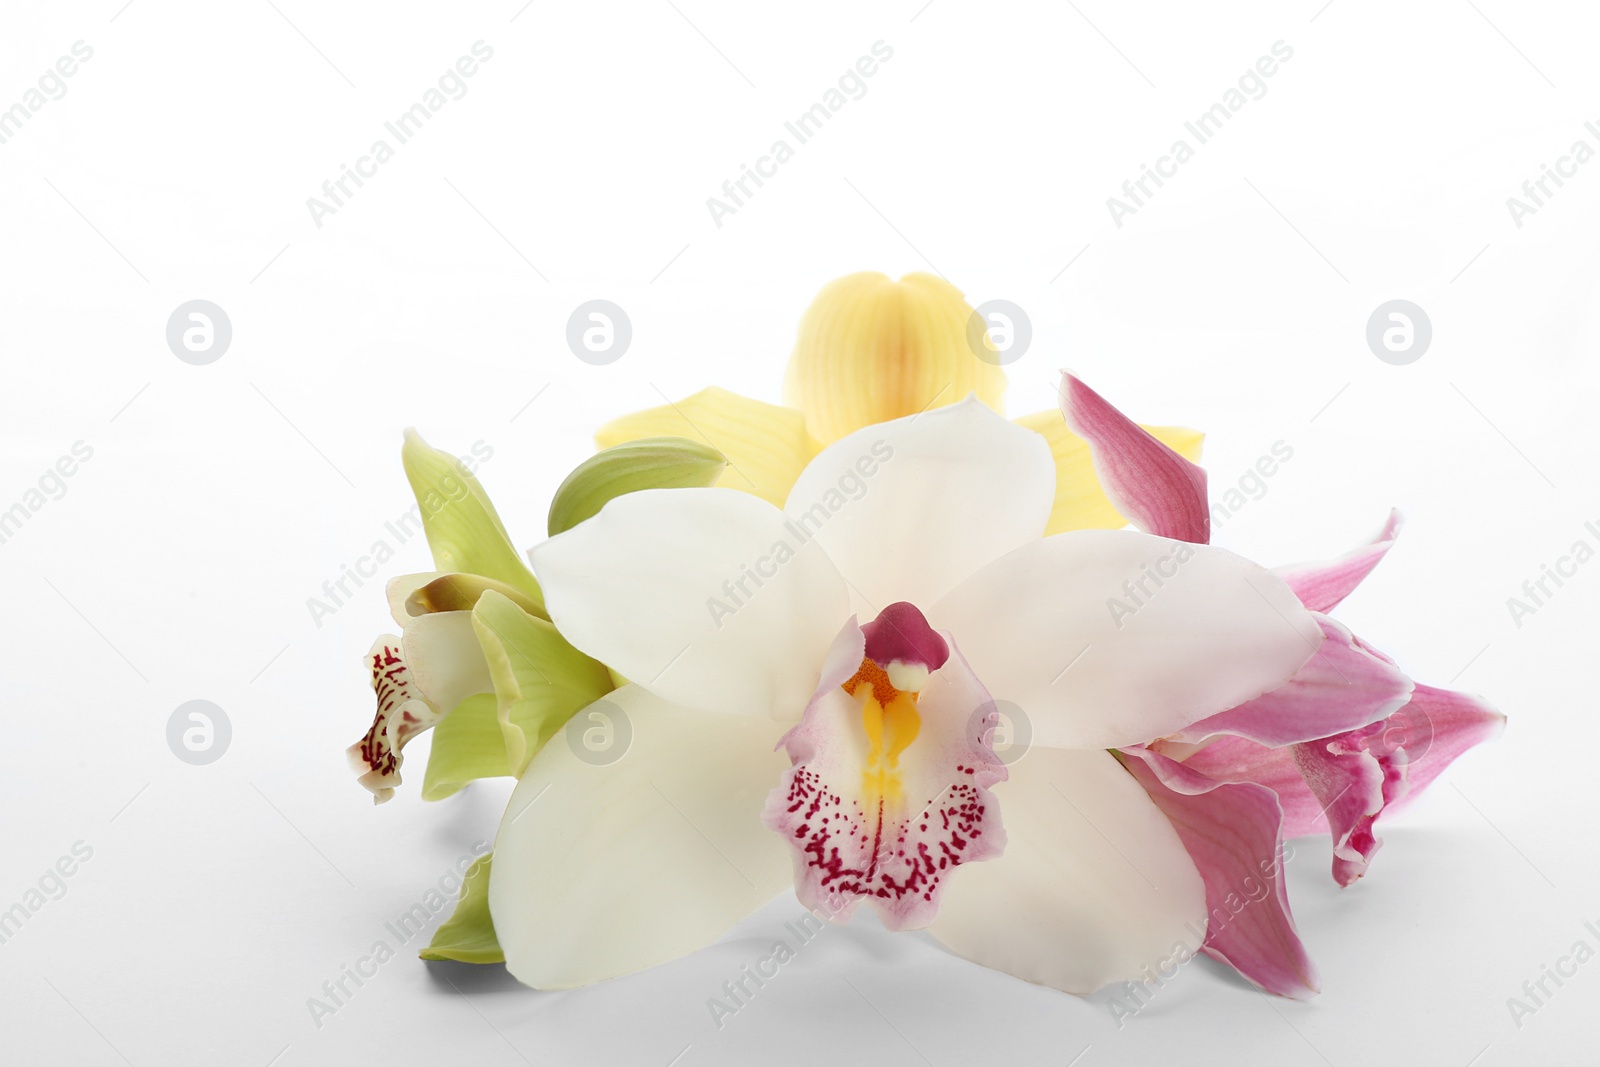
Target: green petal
{"points": [[468, 935], [540, 680], [649, 463], [467, 744], [463, 529]]}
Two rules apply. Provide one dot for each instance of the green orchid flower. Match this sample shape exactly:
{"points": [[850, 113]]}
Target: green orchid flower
{"points": [[478, 660]]}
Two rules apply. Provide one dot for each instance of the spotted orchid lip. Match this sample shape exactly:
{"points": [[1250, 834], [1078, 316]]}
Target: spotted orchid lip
{"points": [[889, 791]]}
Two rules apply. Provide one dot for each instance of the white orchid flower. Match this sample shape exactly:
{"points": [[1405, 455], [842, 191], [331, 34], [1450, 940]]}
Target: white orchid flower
{"points": [[812, 700]]}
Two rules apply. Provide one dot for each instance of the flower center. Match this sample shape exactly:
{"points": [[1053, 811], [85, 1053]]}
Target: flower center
{"points": [[888, 788], [902, 650]]}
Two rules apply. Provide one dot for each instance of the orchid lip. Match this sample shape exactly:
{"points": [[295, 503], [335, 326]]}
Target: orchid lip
{"points": [[889, 788]]}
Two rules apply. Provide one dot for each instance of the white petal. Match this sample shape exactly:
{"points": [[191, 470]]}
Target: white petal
{"points": [[703, 596], [446, 662], [1094, 886], [602, 869], [1111, 637], [907, 509]]}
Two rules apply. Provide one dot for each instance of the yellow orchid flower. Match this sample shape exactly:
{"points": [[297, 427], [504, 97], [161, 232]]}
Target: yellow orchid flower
{"points": [[871, 349]]}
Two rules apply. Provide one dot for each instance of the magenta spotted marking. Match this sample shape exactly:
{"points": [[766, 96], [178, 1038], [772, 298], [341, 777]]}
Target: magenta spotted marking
{"points": [[892, 842], [401, 714], [855, 854]]}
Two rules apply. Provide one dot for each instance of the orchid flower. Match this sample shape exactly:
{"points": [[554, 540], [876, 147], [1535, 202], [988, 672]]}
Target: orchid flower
{"points": [[1352, 773], [1343, 742], [811, 658], [869, 631], [478, 660], [871, 350]]}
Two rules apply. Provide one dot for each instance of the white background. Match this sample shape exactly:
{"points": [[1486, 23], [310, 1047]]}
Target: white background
{"points": [[219, 498]]}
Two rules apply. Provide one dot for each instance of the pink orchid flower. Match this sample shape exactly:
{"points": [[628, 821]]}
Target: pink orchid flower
{"points": [[1345, 742]]}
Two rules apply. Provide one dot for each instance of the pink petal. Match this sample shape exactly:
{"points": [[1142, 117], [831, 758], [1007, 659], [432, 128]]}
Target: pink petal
{"points": [[895, 849], [1352, 785], [1232, 831], [1238, 759], [1365, 775], [1158, 490], [1321, 586], [1432, 731], [1346, 685], [1359, 776]]}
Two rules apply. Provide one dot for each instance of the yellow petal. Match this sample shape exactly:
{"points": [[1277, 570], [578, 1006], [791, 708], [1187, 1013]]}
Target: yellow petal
{"points": [[766, 445], [871, 349], [1080, 502]]}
